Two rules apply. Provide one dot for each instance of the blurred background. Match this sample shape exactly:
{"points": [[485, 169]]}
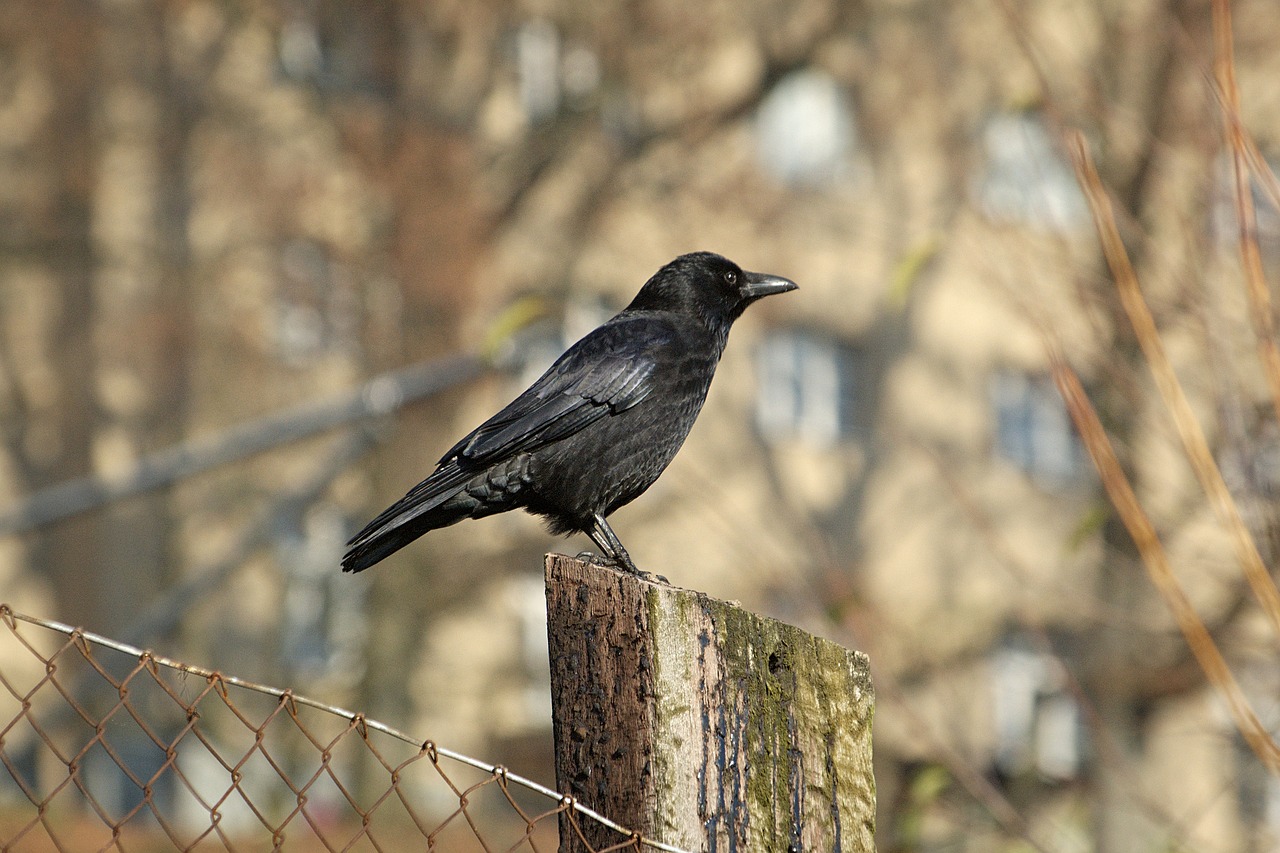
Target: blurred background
{"points": [[220, 218]]}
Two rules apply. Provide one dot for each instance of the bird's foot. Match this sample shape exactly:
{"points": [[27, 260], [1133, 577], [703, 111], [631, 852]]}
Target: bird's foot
{"points": [[622, 565]]}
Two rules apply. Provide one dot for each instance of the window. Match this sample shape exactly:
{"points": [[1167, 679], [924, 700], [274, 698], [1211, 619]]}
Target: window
{"points": [[1034, 431], [552, 73], [806, 388], [1225, 225], [1037, 721], [341, 47], [536, 346], [805, 130], [314, 310], [321, 620], [1257, 790], [1025, 179], [538, 63], [1257, 797]]}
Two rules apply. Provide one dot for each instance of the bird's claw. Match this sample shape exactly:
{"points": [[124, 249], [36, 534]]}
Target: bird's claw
{"points": [[624, 566]]}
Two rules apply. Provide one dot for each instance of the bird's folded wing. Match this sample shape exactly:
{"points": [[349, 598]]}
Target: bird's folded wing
{"points": [[605, 373], [537, 419], [558, 405]]}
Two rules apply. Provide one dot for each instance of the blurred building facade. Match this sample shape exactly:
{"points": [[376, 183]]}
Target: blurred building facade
{"points": [[215, 211]]}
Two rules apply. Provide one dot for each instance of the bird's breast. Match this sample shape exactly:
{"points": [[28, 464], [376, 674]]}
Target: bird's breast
{"points": [[626, 450]]}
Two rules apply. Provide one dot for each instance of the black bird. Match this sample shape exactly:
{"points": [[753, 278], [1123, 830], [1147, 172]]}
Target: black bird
{"points": [[598, 427]]}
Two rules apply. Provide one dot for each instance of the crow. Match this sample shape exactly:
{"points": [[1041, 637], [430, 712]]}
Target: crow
{"points": [[594, 431]]}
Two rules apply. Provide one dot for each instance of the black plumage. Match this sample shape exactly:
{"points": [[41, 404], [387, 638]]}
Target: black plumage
{"points": [[594, 431]]}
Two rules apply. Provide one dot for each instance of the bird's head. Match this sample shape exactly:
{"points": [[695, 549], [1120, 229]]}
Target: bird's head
{"points": [[709, 286]]}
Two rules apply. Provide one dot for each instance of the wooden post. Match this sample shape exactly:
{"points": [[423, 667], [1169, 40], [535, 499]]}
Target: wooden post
{"points": [[701, 725]]}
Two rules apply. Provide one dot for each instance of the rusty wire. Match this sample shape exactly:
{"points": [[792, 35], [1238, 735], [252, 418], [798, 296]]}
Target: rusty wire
{"points": [[110, 747]]}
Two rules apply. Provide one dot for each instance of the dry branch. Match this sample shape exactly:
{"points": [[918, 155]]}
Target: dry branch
{"points": [[1194, 443], [1156, 561]]}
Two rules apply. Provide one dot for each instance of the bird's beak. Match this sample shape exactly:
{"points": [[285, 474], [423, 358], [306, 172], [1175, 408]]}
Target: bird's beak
{"points": [[758, 284]]}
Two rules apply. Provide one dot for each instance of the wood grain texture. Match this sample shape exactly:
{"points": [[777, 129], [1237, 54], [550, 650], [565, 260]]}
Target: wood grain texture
{"points": [[702, 725]]}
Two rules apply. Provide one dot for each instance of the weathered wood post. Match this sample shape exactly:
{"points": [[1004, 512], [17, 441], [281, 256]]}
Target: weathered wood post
{"points": [[704, 726]]}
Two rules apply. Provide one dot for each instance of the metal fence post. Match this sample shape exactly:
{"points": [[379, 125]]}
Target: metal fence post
{"points": [[701, 725]]}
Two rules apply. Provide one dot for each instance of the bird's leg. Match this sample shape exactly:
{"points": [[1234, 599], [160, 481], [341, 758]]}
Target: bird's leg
{"points": [[607, 541]]}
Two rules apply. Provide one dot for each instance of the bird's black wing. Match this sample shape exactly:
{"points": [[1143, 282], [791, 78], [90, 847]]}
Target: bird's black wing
{"points": [[606, 372]]}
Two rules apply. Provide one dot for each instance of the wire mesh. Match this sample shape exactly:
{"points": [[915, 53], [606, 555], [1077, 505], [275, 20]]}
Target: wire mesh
{"points": [[110, 747]]}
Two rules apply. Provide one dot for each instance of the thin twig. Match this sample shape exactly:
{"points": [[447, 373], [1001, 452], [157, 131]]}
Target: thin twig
{"points": [[1194, 443], [1156, 561], [1246, 216]]}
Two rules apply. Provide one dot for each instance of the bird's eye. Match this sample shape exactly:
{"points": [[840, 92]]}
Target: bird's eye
{"points": [[731, 277]]}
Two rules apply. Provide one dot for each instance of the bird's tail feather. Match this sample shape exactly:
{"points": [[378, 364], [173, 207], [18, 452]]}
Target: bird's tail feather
{"points": [[428, 506]]}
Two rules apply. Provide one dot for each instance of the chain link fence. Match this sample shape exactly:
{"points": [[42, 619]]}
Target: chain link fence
{"points": [[109, 747]]}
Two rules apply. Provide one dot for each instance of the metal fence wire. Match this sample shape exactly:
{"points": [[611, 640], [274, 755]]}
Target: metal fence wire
{"points": [[109, 747]]}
